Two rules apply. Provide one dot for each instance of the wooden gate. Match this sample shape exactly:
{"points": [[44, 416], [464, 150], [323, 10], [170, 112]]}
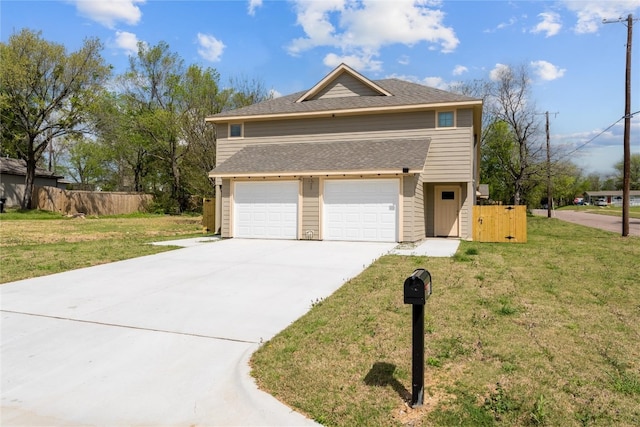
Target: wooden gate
{"points": [[500, 224]]}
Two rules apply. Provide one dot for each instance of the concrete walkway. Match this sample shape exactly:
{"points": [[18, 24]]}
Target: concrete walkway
{"points": [[163, 340]]}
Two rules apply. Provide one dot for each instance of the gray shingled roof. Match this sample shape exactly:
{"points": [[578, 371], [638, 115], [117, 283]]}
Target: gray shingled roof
{"points": [[404, 94], [391, 155], [19, 167]]}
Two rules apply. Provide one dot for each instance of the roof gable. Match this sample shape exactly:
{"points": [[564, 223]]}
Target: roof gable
{"points": [[342, 82]]}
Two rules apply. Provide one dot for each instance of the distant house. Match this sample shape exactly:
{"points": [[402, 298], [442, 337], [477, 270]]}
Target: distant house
{"points": [[12, 180], [349, 159], [611, 197]]}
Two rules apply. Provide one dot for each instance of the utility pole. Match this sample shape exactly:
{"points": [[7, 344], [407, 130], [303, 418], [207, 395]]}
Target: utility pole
{"points": [[626, 175], [549, 186], [549, 193]]}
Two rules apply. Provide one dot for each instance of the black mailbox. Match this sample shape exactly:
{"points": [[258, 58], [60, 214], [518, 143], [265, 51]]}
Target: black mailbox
{"points": [[417, 287]]}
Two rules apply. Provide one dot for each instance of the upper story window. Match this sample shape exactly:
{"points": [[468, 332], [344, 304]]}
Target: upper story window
{"points": [[235, 130], [446, 119]]}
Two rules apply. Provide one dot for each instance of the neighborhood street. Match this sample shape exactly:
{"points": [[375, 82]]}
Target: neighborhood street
{"points": [[604, 222]]}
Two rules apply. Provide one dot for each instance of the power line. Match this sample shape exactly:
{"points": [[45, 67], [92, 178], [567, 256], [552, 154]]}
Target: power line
{"points": [[581, 146]]}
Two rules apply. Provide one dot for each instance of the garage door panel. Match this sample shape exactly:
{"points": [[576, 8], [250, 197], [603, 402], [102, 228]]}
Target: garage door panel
{"points": [[266, 209], [361, 210]]}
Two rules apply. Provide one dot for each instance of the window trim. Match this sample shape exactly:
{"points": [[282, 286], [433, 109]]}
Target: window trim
{"points": [[241, 130], [453, 125]]}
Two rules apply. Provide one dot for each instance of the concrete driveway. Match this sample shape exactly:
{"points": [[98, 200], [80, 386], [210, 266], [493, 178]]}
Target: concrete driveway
{"points": [[163, 340]]}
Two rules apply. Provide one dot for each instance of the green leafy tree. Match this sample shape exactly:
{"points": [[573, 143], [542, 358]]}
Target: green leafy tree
{"points": [[152, 93], [85, 161], [496, 157], [593, 182], [634, 176], [567, 183], [45, 93], [163, 106], [116, 126]]}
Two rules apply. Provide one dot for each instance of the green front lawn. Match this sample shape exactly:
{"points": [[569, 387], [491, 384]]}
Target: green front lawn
{"points": [[543, 333]]}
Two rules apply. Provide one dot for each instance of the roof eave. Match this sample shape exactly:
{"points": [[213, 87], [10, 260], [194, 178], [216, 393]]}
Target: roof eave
{"points": [[343, 112], [385, 172]]}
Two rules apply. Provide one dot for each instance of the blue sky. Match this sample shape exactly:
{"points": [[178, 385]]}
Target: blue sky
{"points": [[577, 62]]}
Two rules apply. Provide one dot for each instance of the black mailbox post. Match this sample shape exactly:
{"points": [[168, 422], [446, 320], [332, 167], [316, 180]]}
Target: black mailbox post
{"points": [[417, 290]]}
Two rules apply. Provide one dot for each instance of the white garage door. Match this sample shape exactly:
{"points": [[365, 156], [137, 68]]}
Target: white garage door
{"points": [[267, 210], [361, 210]]}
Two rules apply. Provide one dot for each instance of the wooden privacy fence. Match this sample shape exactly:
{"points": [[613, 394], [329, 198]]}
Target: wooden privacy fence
{"points": [[71, 202], [500, 224], [209, 215]]}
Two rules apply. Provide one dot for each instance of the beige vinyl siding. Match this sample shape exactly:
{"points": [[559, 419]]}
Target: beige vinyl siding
{"points": [[418, 210], [466, 211], [311, 207], [450, 156], [331, 129], [222, 130], [226, 208], [464, 118], [408, 193], [344, 86], [412, 209], [429, 206]]}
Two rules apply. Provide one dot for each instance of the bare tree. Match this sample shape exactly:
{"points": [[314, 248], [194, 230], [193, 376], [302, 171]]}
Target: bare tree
{"points": [[512, 104]]}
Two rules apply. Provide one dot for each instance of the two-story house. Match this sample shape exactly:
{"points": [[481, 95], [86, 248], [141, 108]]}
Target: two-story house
{"points": [[349, 159]]}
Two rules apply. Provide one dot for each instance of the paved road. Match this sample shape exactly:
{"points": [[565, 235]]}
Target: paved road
{"points": [[604, 222], [162, 340]]}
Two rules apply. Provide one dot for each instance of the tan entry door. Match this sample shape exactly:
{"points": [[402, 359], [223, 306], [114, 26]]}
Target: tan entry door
{"points": [[447, 211]]}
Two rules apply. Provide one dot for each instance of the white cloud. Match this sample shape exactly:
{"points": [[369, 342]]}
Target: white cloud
{"points": [[550, 24], [498, 71], [404, 60], [357, 62], [459, 69], [502, 25], [127, 42], [253, 5], [436, 82], [361, 28], [546, 70], [109, 12], [590, 13], [275, 94], [210, 48]]}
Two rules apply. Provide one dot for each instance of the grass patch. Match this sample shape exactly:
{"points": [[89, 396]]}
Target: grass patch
{"points": [[634, 211], [37, 243], [543, 333]]}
